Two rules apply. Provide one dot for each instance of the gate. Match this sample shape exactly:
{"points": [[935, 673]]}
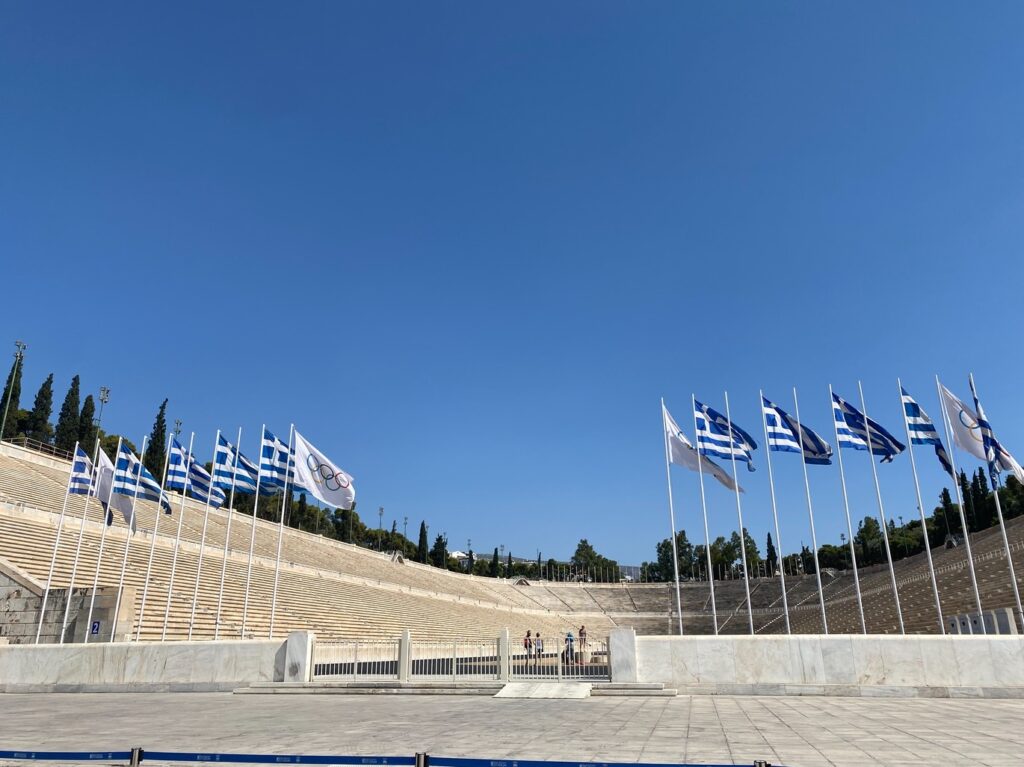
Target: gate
{"points": [[355, 659], [458, 659], [571, 662]]}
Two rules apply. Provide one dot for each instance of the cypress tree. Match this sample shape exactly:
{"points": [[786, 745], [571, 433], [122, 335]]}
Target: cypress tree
{"points": [[508, 565], [470, 561], [157, 448], [38, 425], [421, 546], [11, 399], [495, 563], [770, 555], [66, 433], [965, 493], [87, 425]]}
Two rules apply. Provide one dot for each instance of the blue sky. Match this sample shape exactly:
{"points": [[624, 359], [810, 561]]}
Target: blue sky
{"points": [[466, 247]]}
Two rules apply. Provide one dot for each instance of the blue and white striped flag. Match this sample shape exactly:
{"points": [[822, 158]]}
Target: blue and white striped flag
{"points": [[199, 482], [194, 478], [245, 471], [714, 437], [131, 477], [177, 467], [853, 427], [276, 466], [81, 473], [782, 436], [996, 455], [922, 430]]}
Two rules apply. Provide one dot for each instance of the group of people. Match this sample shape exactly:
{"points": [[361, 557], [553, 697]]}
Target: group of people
{"points": [[533, 644]]}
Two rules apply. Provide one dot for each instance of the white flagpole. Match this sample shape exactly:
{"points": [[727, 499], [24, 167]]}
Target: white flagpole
{"points": [[846, 508], [177, 537], [739, 513], [672, 517], [920, 508], [280, 529], [704, 508], [202, 541], [128, 538], [252, 536], [152, 543], [881, 508], [99, 556], [775, 511], [947, 430], [56, 543], [81, 536], [810, 513], [1002, 524], [227, 533]]}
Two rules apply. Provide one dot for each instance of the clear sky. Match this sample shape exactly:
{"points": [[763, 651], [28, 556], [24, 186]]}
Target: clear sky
{"points": [[466, 247]]}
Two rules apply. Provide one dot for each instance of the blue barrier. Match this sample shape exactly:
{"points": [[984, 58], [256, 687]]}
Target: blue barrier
{"points": [[68, 756], [179, 756], [452, 761]]}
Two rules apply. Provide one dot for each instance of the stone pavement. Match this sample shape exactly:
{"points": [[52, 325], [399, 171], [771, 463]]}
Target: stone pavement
{"points": [[799, 732]]}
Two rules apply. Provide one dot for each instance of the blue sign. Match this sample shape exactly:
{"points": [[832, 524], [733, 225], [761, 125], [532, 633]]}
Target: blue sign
{"points": [[95, 628]]}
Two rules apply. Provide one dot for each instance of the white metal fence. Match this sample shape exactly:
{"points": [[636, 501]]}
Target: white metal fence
{"points": [[559, 660], [356, 659], [458, 659]]}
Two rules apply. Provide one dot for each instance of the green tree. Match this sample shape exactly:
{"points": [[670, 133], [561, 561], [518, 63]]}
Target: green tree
{"points": [[66, 434], [470, 561], [965, 494], [87, 425], [437, 552], [156, 450], [771, 557], [421, 546], [949, 519], [495, 564], [662, 570], [11, 399], [868, 542], [981, 496], [508, 565], [38, 425]]}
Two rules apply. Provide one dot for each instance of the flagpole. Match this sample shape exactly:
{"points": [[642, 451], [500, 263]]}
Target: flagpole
{"points": [[56, 543], [775, 511], [81, 537], [920, 509], [672, 516], [152, 543], [252, 537], [177, 536], [846, 508], [739, 514], [999, 507], [128, 538], [704, 509], [99, 555], [280, 529], [227, 533], [946, 428], [810, 513], [202, 540]]}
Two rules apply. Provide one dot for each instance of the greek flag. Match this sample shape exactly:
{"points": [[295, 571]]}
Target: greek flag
{"points": [[199, 482], [782, 436], [177, 467], [995, 454], [244, 473], [185, 473], [131, 478], [715, 438], [276, 464], [684, 454], [81, 473], [853, 427], [922, 430]]}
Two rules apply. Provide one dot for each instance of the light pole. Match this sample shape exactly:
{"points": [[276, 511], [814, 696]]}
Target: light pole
{"points": [[405, 528], [104, 399], [177, 427], [21, 346], [380, 528]]}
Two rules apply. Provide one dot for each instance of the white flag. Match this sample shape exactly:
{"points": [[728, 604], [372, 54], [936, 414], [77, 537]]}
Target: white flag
{"points": [[963, 422], [315, 473], [123, 503], [684, 454]]}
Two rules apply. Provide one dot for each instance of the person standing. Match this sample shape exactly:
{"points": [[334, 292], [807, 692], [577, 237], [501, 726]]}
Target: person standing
{"points": [[538, 650], [528, 647]]}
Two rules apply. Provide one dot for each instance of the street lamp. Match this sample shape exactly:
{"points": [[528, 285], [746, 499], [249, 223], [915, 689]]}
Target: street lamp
{"points": [[177, 427], [380, 528], [405, 528], [104, 399], [21, 346]]}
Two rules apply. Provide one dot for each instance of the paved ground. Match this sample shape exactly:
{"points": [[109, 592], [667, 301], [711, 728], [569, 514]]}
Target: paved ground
{"points": [[799, 732]]}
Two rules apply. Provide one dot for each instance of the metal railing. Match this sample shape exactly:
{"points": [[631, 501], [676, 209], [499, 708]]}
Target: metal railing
{"points": [[458, 659], [355, 660], [585, 661], [39, 447]]}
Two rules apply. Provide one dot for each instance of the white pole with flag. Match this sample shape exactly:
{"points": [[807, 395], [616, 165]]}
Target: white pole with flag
{"points": [[849, 522], [672, 516], [881, 507], [704, 509], [152, 543], [775, 511], [252, 535], [177, 537], [202, 541], [128, 538], [78, 545], [103, 539], [920, 509], [280, 530], [227, 532], [991, 454], [810, 513], [739, 514], [56, 544], [946, 427]]}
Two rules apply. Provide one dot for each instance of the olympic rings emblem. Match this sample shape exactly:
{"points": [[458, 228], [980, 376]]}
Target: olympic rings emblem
{"points": [[325, 475], [973, 426]]}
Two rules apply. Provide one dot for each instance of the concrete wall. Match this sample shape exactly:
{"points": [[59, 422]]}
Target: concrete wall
{"points": [[934, 666], [154, 666]]}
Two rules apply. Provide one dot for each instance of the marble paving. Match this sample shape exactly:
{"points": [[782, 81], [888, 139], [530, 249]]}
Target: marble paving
{"points": [[793, 731]]}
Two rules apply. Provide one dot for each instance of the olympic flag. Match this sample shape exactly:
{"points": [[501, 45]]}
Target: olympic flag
{"points": [[315, 473]]}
